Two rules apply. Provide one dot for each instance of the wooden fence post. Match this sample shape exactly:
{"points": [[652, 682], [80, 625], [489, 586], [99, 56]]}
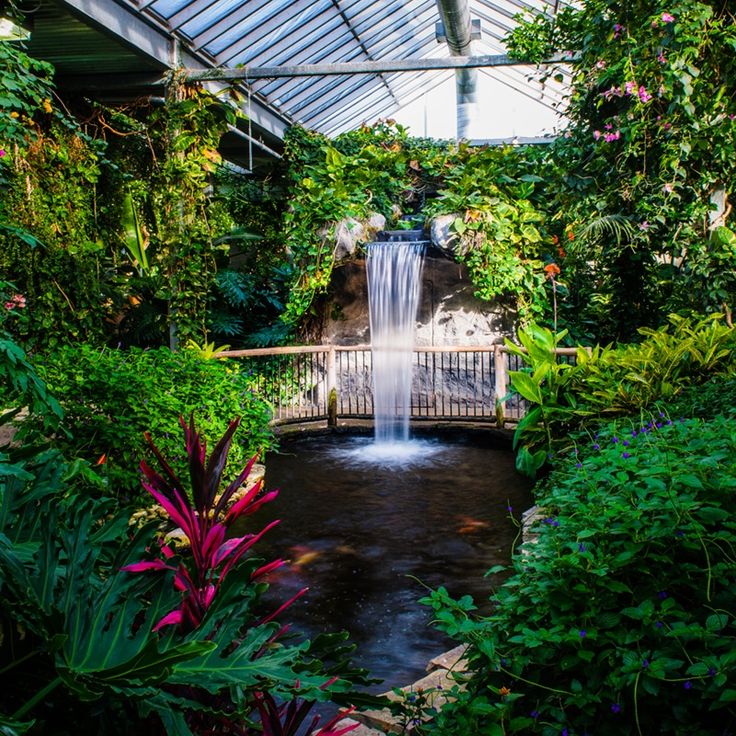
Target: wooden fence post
{"points": [[499, 359], [331, 388]]}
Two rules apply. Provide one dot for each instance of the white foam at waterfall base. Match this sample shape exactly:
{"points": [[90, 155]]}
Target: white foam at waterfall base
{"points": [[394, 276], [398, 455]]}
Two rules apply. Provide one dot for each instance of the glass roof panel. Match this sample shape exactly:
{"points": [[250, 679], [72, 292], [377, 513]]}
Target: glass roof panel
{"points": [[292, 32]]}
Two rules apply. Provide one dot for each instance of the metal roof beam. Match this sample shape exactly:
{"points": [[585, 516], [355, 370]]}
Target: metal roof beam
{"points": [[361, 67]]}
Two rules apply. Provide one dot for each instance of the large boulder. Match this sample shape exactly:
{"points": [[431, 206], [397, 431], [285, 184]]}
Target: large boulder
{"points": [[442, 237], [350, 233]]}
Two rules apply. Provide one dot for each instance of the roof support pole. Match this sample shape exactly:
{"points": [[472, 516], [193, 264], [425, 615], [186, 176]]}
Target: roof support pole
{"points": [[455, 16]]}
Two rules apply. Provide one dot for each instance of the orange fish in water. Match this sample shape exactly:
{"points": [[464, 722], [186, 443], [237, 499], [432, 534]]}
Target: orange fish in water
{"points": [[470, 525], [302, 556]]}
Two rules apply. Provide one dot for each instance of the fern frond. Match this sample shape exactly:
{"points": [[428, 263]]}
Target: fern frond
{"points": [[236, 288], [620, 226]]}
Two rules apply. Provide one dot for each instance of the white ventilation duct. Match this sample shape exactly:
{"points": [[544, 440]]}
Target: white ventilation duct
{"points": [[458, 31]]}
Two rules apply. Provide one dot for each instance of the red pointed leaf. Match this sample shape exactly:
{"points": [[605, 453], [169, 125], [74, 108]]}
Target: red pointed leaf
{"points": [[170, 619], [217, 461]]}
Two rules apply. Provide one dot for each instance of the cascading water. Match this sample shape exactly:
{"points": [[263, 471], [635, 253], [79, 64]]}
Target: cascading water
{"points": [[394, 271]]}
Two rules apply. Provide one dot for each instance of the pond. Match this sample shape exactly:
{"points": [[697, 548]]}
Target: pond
{"points": [[367, 533]]}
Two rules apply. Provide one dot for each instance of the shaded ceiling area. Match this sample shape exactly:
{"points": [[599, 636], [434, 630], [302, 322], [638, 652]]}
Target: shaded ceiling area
{"points": [[119, 49]]}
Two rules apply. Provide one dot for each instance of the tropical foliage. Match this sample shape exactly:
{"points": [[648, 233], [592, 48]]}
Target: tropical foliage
{"points": [[647, 156], [618, 617], [111, 398], [90, 647]]}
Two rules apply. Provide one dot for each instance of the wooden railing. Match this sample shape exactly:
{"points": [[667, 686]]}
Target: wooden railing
{"points": [[331, 382]]}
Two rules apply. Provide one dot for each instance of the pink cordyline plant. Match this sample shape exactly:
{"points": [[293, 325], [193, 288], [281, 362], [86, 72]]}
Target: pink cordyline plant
{"points": [[204, 520]]}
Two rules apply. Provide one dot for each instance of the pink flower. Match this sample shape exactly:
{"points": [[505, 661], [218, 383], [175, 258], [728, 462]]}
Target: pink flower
{"points": [[608, 126], [2, 152], [667, 18], [661, 58], [630, 88], [610, 137], [596, 134], [600, 64], [644, 96], [668, 188], [644, 225], [618, 29], [613, 92], [9, 305], [666, 126]]}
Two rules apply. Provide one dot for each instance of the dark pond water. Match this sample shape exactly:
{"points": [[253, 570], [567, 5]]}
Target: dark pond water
{"points": [[367, 530]]}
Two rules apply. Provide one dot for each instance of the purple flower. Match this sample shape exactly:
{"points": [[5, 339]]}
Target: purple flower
{"points": [[644, 96], [552, 521], [667, 18], [564, 732], [618, 29], [645, 664], [534, 714], [596, 446], [712, 671], [614, 439], [633, 433], [687, 685], [658, 624], [625, 443], [615, 708], [582, 548], [625, 455], [662, 595], [583, 633], [509, 509], [578, 465]]}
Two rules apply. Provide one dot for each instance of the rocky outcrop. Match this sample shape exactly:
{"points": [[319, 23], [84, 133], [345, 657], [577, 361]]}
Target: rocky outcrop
{"points": [[449, 312], [441, 235], [349, 233]]}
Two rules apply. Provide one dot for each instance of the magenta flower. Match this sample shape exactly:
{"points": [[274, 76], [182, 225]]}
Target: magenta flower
{"points": [[610, 137], [612, 92], [3, 152], [644, 96], [630, 88], [642, 226], [618, 30], [667, 18], [661, 58]]}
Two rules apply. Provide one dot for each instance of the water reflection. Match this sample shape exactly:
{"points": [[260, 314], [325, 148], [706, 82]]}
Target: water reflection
{"points": [[367, 536]]}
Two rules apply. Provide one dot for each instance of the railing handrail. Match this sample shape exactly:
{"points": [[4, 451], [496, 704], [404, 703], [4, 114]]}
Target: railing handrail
{"points": [[296, 349], [327, 386]]}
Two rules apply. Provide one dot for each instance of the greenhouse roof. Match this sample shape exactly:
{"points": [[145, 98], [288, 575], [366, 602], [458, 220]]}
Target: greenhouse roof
{"points": [[118, 47]]}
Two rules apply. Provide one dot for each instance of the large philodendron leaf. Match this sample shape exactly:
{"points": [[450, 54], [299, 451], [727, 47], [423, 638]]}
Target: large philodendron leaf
{"points": [[110, 643]]}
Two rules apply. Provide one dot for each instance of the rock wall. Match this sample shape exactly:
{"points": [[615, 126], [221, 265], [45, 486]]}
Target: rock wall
{"points": [[449, 313]]}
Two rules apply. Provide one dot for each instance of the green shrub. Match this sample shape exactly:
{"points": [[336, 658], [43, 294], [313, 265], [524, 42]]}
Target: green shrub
{"points": [[111, 397], [606, 382], [619, 618]]}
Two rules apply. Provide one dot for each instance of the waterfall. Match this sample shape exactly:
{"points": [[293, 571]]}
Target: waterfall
{"points": [[394, 278]]}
